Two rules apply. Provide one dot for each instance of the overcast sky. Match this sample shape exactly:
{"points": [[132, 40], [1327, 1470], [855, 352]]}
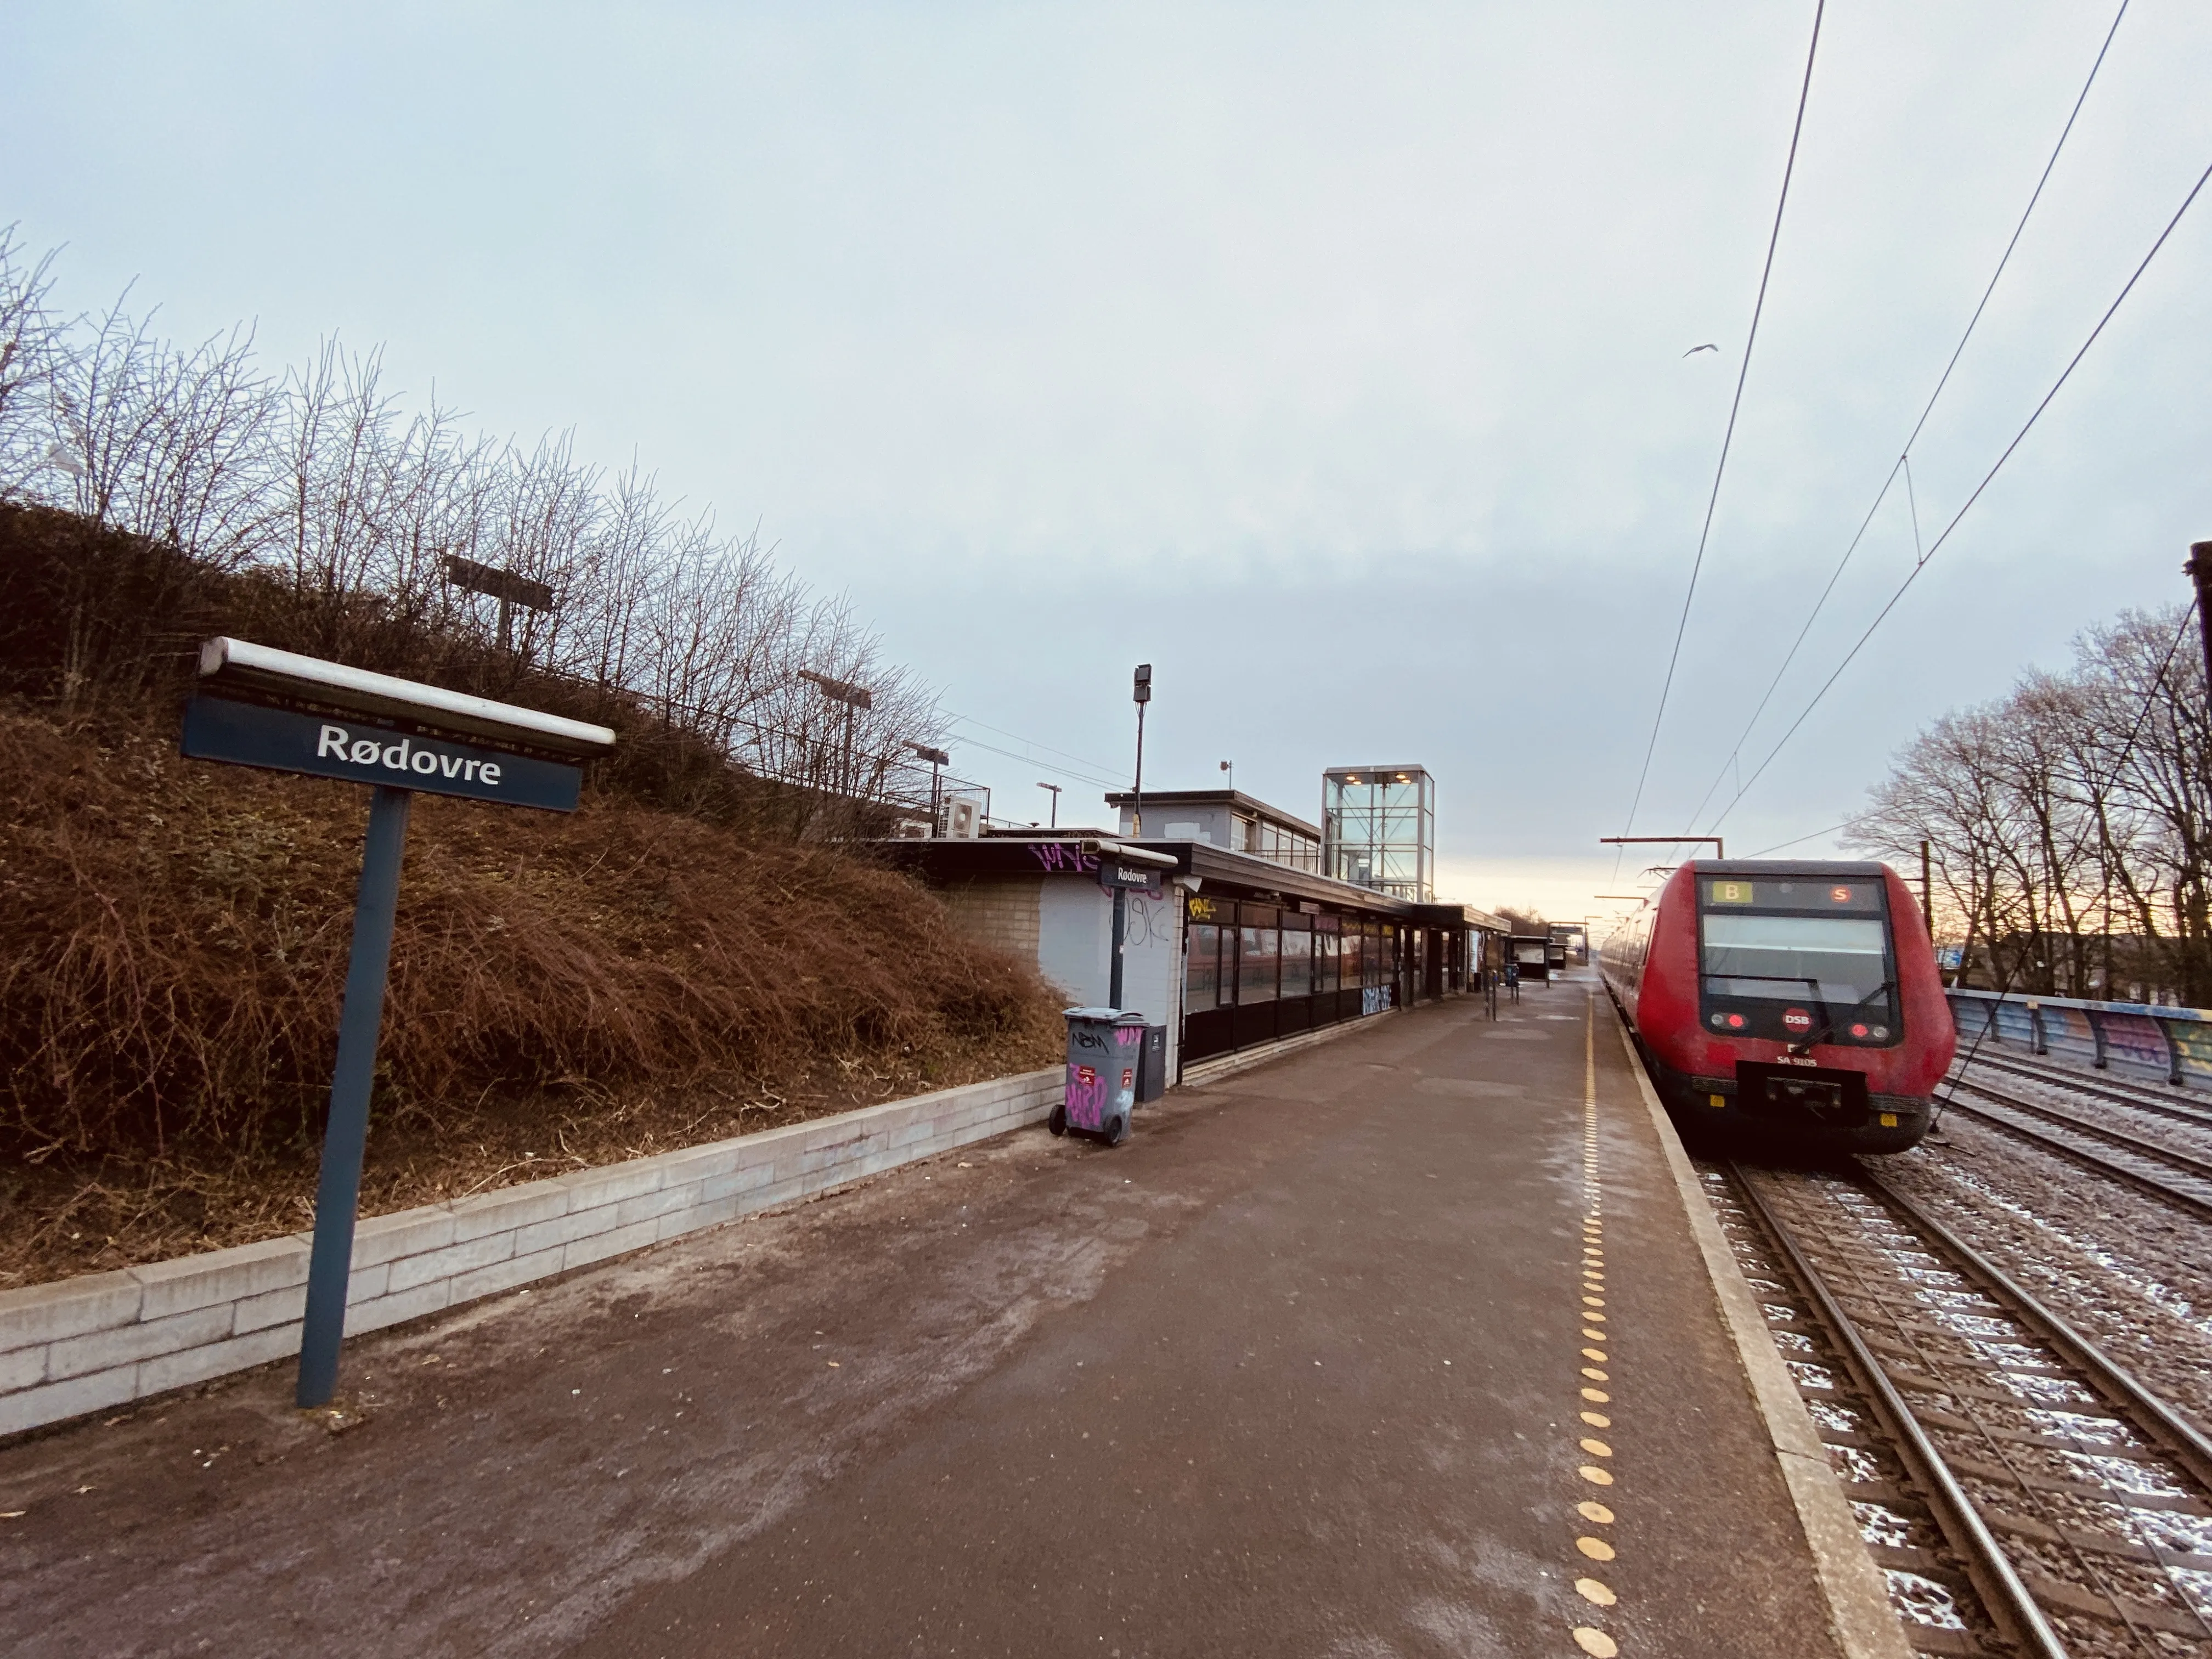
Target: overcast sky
{"points": [[1329, 359]]}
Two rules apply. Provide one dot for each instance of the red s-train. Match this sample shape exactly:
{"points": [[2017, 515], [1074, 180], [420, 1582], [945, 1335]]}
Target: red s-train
{"points": [[1800, 1001]]}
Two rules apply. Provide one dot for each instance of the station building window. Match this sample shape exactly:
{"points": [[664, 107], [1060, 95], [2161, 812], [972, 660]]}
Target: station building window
{"points": [[1255, 972], [1202, 967], [1297, 956], [1259, 955]]}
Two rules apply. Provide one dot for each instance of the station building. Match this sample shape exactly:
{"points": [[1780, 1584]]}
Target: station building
{"points": [[1245, 943]]}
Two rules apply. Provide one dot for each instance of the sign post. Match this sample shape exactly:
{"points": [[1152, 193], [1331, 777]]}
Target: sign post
{"points": [[337, 1192], [1121, 872], [280, 712]]}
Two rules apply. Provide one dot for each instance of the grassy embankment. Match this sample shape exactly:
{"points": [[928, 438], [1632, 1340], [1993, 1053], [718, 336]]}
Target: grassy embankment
{"points": [[655, 971]]}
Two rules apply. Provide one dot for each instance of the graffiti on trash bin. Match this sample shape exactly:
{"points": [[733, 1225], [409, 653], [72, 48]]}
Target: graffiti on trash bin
{"points": [[1087, 1097]]}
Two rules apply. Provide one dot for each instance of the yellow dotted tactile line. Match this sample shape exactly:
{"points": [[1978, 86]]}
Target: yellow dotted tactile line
{"points": [[1592, 1543]]}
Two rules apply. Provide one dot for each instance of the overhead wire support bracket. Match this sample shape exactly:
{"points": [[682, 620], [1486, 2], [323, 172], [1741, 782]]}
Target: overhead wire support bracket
{"points": [[1720, 846]]}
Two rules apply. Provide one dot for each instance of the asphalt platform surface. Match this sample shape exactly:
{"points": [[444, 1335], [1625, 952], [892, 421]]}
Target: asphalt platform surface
{"points": [[1299, 1369]]}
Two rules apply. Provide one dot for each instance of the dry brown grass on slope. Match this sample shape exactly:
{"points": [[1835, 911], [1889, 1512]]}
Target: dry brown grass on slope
{"points": [[172, 943]]}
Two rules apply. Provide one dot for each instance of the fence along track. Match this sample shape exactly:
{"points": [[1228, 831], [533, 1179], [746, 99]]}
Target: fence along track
{"points": [[2199, 1203], [2077, 1504]]}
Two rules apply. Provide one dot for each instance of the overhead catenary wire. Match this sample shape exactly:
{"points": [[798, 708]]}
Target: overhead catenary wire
{"points": [[1736, 405], [1041, 765], [1795, 840], [1903, 464], [1995, 467], [1082, 760], [2112, 776]]}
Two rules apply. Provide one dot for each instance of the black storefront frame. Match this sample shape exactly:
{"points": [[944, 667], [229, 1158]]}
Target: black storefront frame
{"points": [[1240, 1017]]}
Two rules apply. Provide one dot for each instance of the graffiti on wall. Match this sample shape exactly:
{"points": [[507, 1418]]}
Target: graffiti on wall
{"points": [[1058, 857]]}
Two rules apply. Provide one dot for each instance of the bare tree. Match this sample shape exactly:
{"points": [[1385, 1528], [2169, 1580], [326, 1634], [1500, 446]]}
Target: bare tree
{"points": [[2069, 820], [323, 482], [166, 443], [30, 346]]}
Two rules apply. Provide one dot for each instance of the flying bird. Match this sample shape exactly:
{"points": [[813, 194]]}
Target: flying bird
{"points": [[1694, 350]]}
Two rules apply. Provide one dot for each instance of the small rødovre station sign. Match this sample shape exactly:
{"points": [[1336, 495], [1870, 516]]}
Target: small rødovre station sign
{"points": [[257, 706]]}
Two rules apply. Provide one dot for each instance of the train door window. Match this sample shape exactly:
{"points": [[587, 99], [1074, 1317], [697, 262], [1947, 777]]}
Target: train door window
{"points": [[1800, 960]]}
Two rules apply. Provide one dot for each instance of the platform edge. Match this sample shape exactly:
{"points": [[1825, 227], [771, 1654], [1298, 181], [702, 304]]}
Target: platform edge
{"points": [[1859, 1614]]}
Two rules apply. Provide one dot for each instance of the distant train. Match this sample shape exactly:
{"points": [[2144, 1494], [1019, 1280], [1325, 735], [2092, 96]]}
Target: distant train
{"points": [[1795, 1002]]}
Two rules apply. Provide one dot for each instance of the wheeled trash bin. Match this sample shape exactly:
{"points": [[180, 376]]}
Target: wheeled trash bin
{"points": [[1105, 1048]]}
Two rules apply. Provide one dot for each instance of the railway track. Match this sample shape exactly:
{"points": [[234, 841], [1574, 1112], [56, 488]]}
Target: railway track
{"points": [[2143, 1098], [2180, 1178], [2021, 1493]]}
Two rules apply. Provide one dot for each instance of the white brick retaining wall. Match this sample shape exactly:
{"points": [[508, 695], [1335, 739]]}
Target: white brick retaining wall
{"points": [[100, 1340]]}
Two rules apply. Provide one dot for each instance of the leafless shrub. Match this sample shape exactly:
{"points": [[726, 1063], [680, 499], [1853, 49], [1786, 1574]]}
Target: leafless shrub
{"points": [[322, 480], [30, 343], [171, 948]]}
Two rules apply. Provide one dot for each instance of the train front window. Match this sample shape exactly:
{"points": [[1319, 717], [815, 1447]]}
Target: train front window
{"points": [[1800, 962]]}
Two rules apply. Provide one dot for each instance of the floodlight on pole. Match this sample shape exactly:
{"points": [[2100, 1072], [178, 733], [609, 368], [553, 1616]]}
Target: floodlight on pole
{"points": [[1055, 803], [507, 587], [855, 698], [936, 758], [1140, 694]]}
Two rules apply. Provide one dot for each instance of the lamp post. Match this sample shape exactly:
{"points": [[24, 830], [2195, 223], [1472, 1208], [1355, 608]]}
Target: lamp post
{"points": [[1055, 803], [1230, 767], [854, 698], [1141, 694], [936, 758], [507, 586], [2200, 571]]}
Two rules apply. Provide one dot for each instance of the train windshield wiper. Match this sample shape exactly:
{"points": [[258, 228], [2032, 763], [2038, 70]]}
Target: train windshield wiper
{"points": [[1805, 1047]]}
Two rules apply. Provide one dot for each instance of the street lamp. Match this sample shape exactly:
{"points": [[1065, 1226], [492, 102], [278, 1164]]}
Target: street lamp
{"points": [[1141, 694], [507, 586], [936, 757], [1055, 803], [1230, 767], [855, 698]]}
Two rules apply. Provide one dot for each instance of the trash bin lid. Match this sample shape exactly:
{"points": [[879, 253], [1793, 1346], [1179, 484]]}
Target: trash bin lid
{"points": [[1105, 1016]]}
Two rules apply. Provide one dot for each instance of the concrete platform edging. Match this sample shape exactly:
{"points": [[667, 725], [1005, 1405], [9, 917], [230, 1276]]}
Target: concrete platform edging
{"points": [[1864, 1625], [102, 1340]]}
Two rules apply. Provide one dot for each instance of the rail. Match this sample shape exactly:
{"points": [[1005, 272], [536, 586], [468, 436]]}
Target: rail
{"points": [[2142, 1180], [2140, 1145], [2070, 1493], [2120, 1093]]}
